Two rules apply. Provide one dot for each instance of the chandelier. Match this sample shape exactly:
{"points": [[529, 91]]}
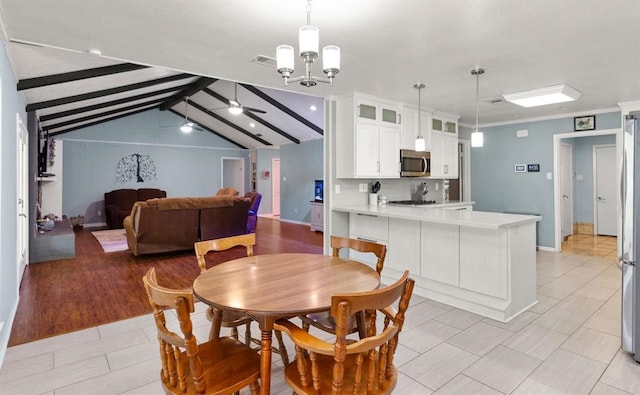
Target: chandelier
{"points": [[477, 137], [309, 38]]}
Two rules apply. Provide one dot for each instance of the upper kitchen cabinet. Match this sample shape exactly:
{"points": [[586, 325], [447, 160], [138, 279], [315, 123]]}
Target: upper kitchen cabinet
{"points": [[444, 125], [368, 134], [444, 147], [411, 126]]}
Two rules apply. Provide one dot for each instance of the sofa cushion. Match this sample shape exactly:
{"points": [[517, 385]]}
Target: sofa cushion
{"points": [[227, 191]]}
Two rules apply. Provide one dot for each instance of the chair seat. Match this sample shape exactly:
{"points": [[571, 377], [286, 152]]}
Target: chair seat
{"points": [[234, 366], [325, 367]]}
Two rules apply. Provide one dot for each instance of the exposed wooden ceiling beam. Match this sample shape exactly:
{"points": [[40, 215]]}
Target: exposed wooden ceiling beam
{"points": [[98, 106], [86, 125], [104, 92], [256, 118], [283, 108], [212, 131], [53, 79], [228, 123], [101, 114], [190, 90]]}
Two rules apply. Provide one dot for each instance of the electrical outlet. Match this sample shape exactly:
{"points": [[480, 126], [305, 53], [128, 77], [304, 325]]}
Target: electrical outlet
{"points": [[437, 187], [337, 189], [295, 210], [99, 212]]}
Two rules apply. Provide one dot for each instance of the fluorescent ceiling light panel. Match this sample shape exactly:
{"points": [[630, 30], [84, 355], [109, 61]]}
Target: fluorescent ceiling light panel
{"points": [[543, 96]]}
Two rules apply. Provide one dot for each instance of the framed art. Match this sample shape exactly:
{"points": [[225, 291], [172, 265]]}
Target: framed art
{"points": [[520, 168], [584, 123]]}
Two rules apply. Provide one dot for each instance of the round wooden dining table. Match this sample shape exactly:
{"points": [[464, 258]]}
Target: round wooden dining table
{"points": [[273, 286]]}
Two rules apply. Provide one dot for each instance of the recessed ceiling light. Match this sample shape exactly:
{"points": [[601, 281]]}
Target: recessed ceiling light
{"points": [[253, 125], [543, 96], [94, 51], [312, 108]]}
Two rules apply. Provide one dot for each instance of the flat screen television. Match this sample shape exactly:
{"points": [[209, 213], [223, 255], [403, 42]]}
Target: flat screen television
{"points": [[319, 191]]}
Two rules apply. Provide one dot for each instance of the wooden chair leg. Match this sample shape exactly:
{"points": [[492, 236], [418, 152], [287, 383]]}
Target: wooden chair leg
{"points": [[216, 322], [234, 332], [281, 348], [255, 388]]}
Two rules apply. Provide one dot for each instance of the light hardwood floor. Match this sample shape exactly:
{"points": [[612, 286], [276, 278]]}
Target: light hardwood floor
{"points": [[566, 344]]}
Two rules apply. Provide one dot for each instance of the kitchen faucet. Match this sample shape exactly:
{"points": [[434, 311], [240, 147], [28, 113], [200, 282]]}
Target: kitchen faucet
{"points": [[421, 191]]}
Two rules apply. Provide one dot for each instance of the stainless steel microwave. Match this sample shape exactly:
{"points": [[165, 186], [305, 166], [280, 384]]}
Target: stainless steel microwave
{"points": [[415, 163]]}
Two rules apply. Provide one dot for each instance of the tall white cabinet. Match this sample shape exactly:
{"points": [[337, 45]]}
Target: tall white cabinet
{"points": [[368, 137]]}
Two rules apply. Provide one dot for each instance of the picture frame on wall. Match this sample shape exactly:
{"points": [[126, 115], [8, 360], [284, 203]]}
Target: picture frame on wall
{"points": [[587, 122]]}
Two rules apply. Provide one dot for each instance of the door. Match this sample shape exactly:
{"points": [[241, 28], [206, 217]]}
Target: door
{"points": [[233, 174], [22, 177], [367, 150], [605, 190], [566, 185], [275, 186]]}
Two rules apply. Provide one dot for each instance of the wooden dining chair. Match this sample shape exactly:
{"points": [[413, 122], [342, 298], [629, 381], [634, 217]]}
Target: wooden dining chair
{"points": [[232, 319], [323, 320], [219, 366], [342, 365]]}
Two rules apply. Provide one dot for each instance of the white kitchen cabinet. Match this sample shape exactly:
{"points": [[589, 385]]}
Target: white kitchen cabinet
{"points": [[444, 156], [368, 133], [439, 252], [444, 125], [410, 129], [484, 261], [404, 245], [317, 216], [371, 228]]}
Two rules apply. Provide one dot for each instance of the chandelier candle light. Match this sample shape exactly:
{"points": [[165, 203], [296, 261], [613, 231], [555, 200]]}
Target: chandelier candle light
{"points": [[309, 38], [420, 143], [477, 137]]}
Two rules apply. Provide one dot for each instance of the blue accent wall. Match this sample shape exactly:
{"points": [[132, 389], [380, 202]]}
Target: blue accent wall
{"points": [[300, 164], [496, 187], [186, 164]]}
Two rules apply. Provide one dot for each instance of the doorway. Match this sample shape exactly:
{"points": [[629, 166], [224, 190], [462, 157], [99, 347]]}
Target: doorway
{"points": [[604, 181], [22, 191], [233, 174], [459, 187], [557, 188], [275, 187]]}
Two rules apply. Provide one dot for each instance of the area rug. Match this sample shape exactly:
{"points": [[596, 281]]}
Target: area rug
{"points": [[111, 240]]}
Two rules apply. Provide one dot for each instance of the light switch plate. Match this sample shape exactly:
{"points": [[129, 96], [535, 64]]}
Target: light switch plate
{"points": [[337, 189], [549, 175]]}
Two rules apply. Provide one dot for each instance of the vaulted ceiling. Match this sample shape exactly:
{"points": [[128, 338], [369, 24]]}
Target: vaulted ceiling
{"points": [[386, 47]]}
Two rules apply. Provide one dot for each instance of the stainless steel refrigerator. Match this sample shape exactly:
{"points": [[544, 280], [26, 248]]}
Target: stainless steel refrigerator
{"points": [[628, 244]]}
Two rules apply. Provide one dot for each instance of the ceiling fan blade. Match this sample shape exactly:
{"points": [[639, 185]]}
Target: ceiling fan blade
{"points": [[254, 110]]}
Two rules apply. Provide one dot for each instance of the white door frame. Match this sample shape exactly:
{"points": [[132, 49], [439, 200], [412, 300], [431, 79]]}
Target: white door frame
{"points": [[569, 192], [594, 191], [557, 196], [466, 170], [22, 197], [275, 179], [240, 173]]}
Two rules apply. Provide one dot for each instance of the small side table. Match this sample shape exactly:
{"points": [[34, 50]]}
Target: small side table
{"points": [[317, 216]]}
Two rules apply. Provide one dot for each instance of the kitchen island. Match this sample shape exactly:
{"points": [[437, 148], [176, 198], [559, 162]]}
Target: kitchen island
{"points": [[482, 262]]}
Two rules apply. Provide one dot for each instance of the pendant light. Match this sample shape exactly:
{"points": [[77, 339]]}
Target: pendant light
{"points": [[477, 137], [420, 142]]}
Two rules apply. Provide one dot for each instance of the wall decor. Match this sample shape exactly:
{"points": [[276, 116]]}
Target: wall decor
{"points": [[584, 123], [136, 167], [533, 167], [520, 168], [265, 174]]}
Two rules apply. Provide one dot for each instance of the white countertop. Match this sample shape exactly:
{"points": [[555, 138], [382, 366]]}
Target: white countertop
{"points": [[437, 213]]}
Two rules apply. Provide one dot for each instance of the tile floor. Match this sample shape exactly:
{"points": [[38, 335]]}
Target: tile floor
{"points": [[569, 343]]}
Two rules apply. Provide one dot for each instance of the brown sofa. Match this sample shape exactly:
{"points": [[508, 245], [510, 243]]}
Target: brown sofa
{"points": [[174, 224], [118, 203]]}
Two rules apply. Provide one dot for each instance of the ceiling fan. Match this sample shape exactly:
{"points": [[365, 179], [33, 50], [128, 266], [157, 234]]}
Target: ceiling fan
{"points": [[236, 108], [186, 126]]}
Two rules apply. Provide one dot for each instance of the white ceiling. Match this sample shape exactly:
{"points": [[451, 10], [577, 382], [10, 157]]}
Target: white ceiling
{"points": [[387, 46]]}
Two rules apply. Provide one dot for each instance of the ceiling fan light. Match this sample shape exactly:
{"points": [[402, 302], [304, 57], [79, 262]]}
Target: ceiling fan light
{"points": [[543, 96], [284, 58], [186, 128], [235, 110], [309, 41]]}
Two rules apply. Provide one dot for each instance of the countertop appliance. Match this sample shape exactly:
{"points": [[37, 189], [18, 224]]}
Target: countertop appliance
{"points": [[415, 163], [629, 203]]}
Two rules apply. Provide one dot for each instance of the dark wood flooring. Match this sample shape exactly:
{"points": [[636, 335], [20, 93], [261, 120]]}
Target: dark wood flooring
{"points": [[96, 288]]}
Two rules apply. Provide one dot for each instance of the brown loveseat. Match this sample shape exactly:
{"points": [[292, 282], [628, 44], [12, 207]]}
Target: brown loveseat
{"points": [[174, 224], [118, 203]]}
